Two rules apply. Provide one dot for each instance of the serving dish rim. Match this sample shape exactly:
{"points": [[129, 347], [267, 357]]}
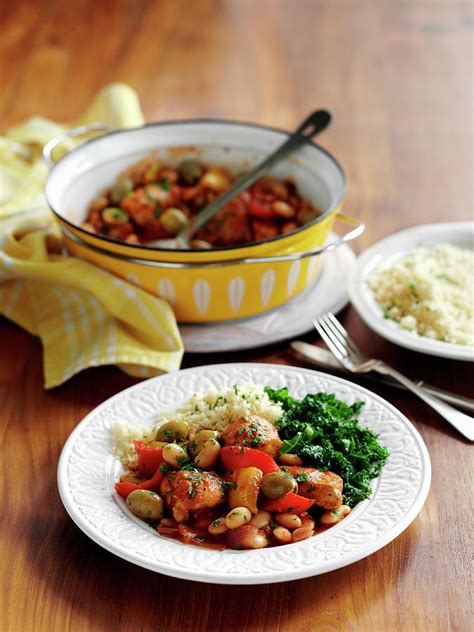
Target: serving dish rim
{"points": [[143, 247]]}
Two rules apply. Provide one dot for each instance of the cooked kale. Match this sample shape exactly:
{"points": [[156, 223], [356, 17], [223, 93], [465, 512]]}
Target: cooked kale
{"points": [[325, 433]]}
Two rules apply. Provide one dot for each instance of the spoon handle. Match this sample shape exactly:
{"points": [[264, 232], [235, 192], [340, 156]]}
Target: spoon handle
{"points": [[312, 125]]}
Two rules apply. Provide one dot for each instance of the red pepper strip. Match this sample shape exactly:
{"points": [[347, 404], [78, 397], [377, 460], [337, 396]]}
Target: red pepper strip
{"points": [[149, 459], [291, 503], [124, 489], [236, 457], [261, 210]]}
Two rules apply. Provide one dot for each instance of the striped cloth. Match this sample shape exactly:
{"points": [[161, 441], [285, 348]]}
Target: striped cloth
{"points": [[84, 315]]}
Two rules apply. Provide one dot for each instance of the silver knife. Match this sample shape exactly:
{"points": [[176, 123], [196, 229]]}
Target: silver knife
{"points": [[324, 358]]}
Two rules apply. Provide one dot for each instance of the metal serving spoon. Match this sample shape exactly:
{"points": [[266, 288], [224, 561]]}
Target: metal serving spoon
{"points": [[312, 125]]}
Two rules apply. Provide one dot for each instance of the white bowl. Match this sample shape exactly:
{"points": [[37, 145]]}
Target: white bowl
{"points": [[389, 250]]}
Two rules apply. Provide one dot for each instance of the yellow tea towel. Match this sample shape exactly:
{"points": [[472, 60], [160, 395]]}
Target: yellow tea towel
{"points": [[84, 315]]}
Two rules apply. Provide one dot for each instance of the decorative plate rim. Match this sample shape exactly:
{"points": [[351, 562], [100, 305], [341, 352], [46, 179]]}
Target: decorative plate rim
{"points": [[363, 301], [95, 505]]}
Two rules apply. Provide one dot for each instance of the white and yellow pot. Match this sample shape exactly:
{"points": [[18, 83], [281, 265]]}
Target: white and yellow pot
{"points": [[202, 285]]}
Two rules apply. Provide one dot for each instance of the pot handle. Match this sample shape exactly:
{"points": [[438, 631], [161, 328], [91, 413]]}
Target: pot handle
{"points": [[70, 133]]}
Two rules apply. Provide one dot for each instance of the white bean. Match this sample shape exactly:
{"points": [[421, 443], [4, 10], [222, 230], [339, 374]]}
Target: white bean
{"points": [[283, 209], [333, 516], [261, 519], [174, 455], [288, 520], [246, 537], [282, 534], [217, 526], [307, 521], [208, 455], [237, 517], [301, 534]]}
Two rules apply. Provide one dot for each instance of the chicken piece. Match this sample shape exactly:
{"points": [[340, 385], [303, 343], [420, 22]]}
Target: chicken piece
{"points": [[230, 226], [325, 488], [139, 206], [254, 432], [264, 229], [121, 232], [190, 490]]}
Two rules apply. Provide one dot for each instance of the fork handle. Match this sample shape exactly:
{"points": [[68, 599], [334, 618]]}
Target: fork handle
{"points": [[463, 423]]}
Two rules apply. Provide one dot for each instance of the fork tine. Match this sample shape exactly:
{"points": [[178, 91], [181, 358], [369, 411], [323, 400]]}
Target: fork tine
{"points": [[334, 333], [334, 348], [333, 344], [337, 325]]}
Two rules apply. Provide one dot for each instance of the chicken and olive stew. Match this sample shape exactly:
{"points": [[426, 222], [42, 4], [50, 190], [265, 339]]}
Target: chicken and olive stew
{"points": [[150, 202], [228, 471]]}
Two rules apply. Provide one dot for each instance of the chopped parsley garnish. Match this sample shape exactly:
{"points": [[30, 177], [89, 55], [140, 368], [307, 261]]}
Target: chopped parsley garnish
{"points": [[412, 288], [325, 432], [164, 184], [158, 211], [229, 485], [302, 477], [183, 460], [190, 466]]}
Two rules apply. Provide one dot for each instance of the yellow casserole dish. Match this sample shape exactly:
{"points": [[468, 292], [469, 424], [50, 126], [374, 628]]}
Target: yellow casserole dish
{"points": [[202, 285]]}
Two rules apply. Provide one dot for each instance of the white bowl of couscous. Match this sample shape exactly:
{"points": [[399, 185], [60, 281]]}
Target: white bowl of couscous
{"points": [[416, 289]]}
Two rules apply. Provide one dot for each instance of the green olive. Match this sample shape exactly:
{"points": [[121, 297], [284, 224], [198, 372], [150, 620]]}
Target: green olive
{"points": [[172, 431], [145, 504], [121, 189], [198, 438], [114, 216], [173, 219], [190, 171], [277, 484]]}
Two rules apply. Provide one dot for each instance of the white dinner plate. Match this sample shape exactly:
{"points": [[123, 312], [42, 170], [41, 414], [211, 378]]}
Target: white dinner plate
{"points": [[388, 251], [87, 472], [328, 294]]}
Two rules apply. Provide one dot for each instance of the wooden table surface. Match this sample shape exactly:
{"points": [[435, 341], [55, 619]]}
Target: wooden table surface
{"points": [[398, 78]]}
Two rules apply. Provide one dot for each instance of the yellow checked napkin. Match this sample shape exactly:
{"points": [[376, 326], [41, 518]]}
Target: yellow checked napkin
{"points": [[84, 316]]}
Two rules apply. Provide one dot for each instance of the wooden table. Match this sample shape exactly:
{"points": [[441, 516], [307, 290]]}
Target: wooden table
{"points": [[398, 78]]}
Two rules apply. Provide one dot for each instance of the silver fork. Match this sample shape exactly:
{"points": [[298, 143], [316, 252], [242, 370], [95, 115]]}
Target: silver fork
{"points": [[351, 358]]}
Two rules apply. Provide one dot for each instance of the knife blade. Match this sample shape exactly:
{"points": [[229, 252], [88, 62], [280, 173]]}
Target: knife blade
{"points": [[324, 358]]}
